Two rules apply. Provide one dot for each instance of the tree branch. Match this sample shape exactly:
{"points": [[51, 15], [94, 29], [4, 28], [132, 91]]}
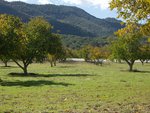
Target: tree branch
{"points": [[18, 64]]}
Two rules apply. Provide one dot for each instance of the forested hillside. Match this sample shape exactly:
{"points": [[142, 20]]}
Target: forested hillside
{"points": [[65, 19], [76, 42]]}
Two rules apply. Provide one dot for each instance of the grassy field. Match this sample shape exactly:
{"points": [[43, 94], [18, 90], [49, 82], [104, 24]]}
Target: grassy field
{"points": [[75, 88]]}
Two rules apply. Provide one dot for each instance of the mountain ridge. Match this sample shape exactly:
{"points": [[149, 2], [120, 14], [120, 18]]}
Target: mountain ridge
{"points": [[65, 19]]}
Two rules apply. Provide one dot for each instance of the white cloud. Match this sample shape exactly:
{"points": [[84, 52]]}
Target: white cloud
{"points": [[44, 2], [104, 4], [77, 2]]}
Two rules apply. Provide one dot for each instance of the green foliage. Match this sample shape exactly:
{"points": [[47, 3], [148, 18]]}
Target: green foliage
{"points": [[85, 52], [94, 54], [145, 52], [134, 11], [55, 46], [76, 42], [127, 48], [56, 50], [9, 30], [32, 40], [131, 10], [71, 53], [5, 59]]}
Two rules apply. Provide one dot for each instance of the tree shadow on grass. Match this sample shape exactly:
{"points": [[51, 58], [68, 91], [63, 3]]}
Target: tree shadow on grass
{"points": [[66, 66], [8, 67], [70, 62], [48, 75], [32, 83], [136, 71]]}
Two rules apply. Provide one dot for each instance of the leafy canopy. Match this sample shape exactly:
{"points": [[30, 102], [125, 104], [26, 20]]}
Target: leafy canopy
{"points": [[9, 30], [23, 42], [127, 48], [134, 11]]}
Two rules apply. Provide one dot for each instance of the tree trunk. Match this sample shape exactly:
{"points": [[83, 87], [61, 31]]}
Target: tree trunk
{"points": [[5, 64], [142, 61], [54, 62], [147, 61], [25, 70], [119, 61], [131, 67], [51, 62], [130, 63], [101, 62], [24, 67]]}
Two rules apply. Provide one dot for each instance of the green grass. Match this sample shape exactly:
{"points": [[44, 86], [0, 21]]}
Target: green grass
{"points": [[75, 88]]}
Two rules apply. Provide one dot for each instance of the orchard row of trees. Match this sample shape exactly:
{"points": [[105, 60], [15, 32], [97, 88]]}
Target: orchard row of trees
{"points": [[33, 41], [27, 42], [95, 55], [129, 48]]}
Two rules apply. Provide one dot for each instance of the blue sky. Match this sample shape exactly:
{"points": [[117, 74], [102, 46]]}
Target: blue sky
{"points": [[98, 8]]}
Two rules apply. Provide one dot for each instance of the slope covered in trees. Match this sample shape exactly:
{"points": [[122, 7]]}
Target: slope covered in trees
{"points": [[65, 19]]}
